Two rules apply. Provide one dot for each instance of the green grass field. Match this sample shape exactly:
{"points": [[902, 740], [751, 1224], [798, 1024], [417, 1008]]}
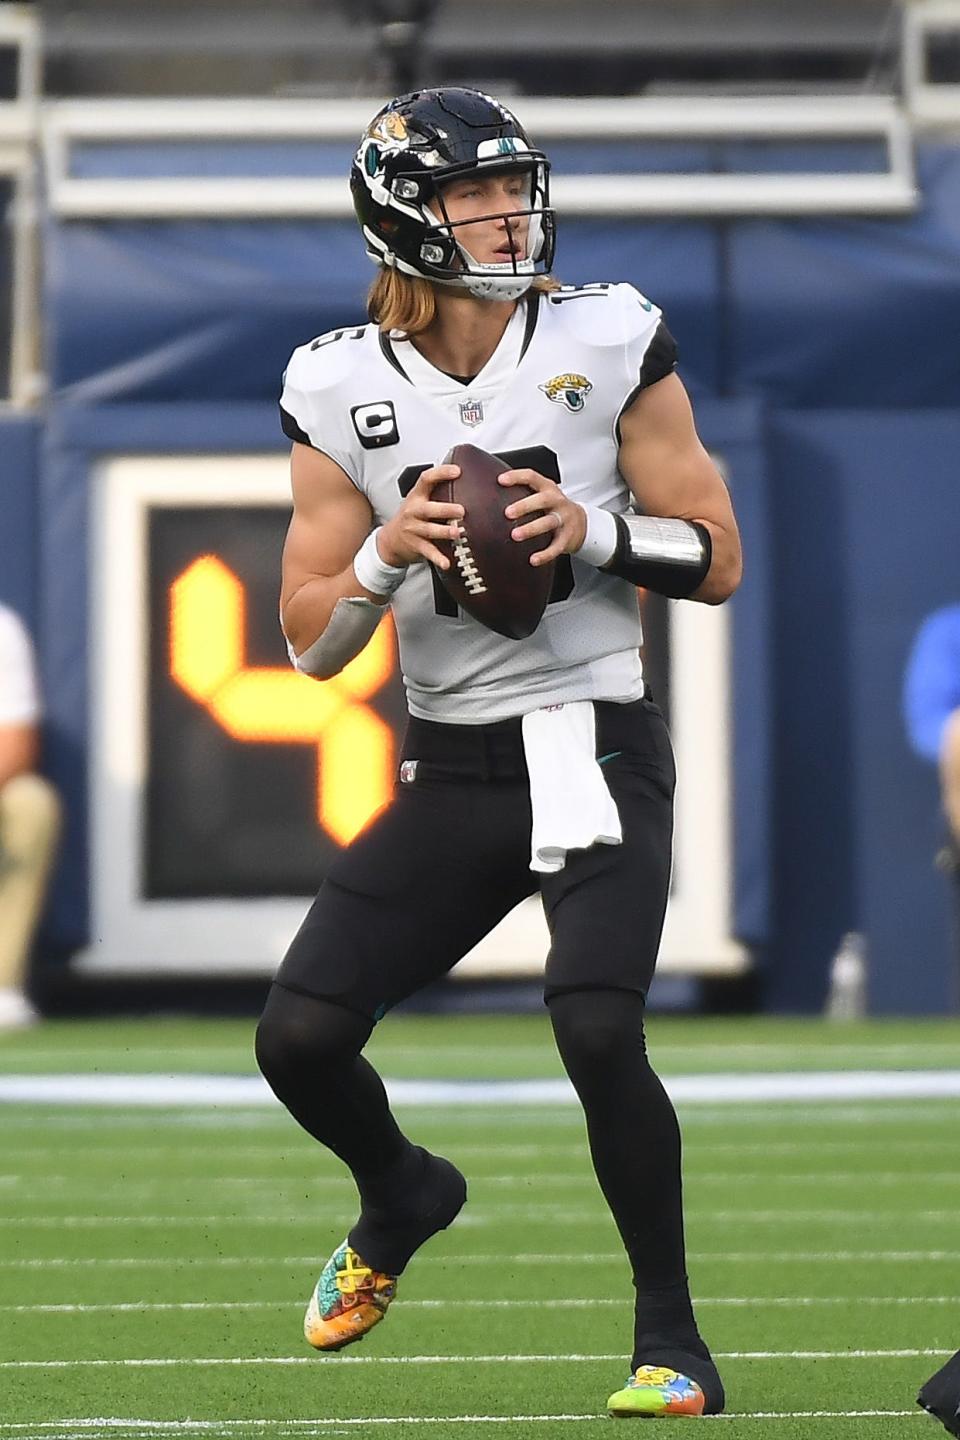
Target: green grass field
{"points": [[154, 1263]]}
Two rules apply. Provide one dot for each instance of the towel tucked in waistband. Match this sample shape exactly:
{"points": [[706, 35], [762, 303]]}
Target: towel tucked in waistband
{"points": [[572, 806]]}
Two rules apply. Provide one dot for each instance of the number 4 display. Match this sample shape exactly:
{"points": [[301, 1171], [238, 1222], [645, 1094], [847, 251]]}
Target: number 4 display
{"points": [[355, 748]]}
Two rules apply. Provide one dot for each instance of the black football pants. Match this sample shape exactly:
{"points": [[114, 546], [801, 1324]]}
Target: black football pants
{"points": [[430, 877], [450, 857]]}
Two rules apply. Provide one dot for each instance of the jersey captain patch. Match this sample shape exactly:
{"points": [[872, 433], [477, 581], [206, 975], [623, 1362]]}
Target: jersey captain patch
{"points": [[567, 389], [376, 424]]}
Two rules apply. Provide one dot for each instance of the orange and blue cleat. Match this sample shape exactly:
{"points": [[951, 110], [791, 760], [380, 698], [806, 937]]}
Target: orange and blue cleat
{"points": [[654, 1391], [348, 1300]]}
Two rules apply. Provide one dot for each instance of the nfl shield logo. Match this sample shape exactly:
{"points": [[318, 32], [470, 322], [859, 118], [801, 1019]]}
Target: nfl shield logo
{"points": [[471, 411]]}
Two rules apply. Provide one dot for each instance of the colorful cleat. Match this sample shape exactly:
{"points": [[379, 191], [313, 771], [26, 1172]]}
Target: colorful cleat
{"points": [[654, 1391], [348, 1300]]}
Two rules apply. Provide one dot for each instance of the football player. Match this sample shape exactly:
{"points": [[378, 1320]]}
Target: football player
{"points": [[539, 764]]}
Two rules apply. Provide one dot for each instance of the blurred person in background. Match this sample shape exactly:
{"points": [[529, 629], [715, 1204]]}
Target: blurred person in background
{"points": [[470, 330], [931, 703], [29, 820]]}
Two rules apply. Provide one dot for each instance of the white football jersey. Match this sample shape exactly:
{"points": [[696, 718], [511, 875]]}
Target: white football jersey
{"points": [[549, 398]]}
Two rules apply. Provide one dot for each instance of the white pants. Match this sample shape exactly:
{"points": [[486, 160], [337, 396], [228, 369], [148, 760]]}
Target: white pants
{"points": [[29, 830]]}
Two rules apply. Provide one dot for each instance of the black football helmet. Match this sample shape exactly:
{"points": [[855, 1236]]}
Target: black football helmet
{"points": [[411, 149]]}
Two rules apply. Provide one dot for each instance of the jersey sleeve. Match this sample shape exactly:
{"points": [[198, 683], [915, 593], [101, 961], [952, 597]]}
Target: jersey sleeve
{"points": [[650, 350], [310, 413]]}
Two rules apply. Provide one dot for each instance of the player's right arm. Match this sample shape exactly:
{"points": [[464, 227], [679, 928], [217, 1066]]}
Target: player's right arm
{"points": [[327, 614]]}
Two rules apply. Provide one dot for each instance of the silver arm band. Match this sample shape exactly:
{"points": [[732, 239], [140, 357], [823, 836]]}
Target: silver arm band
{"points": [[669, 556], [350, 626]]}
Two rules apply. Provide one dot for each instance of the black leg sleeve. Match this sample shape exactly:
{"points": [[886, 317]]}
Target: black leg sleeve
{"points": [[635, 1145], [308, 1050]]}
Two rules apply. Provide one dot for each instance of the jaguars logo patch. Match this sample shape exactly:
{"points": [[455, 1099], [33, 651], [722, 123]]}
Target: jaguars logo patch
{"points": [[569, 390]]}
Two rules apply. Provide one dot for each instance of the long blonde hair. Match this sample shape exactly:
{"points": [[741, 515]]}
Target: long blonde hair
{"points": [[408, 304]]}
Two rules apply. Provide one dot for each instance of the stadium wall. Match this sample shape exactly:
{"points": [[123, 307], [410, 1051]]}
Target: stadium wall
{"points": [[19, 534], [834, 337]]}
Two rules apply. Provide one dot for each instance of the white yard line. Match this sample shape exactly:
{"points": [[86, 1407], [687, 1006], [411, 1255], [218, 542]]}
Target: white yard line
{"points": [[552, 1180], [250, 1090], [752, 1302], [611, 1257], [480, 1216], [169, 1362], [816, 1115], [575, 1146]]}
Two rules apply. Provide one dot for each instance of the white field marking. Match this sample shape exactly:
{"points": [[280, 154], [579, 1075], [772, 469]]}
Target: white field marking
{"points": [[476, 1218], [814, 1116], [753, 1302], [166, 1362], [247, 1090], [269, 1188], [274, 1187], [611, 1257], [284, 1153]]}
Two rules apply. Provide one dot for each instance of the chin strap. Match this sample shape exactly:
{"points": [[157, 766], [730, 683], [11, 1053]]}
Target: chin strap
{"points": [[496, 287]]}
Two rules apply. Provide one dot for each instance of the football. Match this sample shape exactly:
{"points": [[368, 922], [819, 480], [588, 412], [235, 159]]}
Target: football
{"points": [[490, 574]]}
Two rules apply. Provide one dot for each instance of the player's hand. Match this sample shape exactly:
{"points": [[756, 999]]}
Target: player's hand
{"points": [[408, 537], [555, 514]]}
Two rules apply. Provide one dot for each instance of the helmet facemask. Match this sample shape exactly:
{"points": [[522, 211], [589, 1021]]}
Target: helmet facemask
{"points": [[523, 234]]}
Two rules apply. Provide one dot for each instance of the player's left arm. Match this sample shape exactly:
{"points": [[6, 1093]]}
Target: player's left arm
{"points": [[670, 474]]}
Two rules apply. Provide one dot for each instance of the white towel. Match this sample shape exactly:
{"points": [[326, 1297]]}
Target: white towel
{"points": [[572, 807]]}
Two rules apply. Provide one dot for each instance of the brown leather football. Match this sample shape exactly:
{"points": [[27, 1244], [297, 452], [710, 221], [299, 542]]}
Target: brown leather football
{"points": [[490, 574]]}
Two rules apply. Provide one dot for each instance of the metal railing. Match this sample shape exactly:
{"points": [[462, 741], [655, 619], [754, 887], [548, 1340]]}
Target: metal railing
{"points": [[19, 30], [931, 104], [72, 124]]}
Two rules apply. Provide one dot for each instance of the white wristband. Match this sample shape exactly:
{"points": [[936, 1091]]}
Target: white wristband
{"points": [[372, 571], [600, 542]]}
